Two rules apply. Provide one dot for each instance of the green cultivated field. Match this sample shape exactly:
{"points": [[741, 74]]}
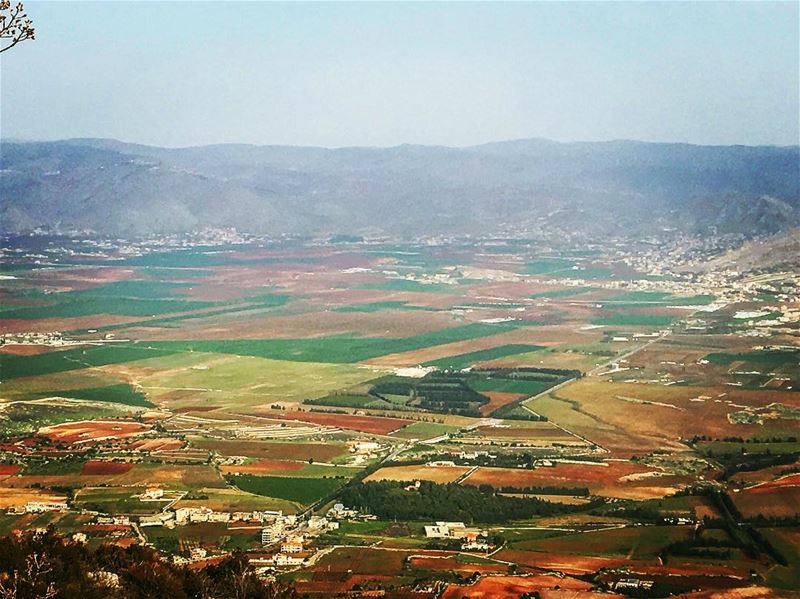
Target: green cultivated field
{"points": [[246, 380], [548, 265], [301, 490], [346, 401], [461, 361], [635, 320], [122, 394], [766, 357], [128, 298], [644, 299], [512, 385], [424, 430], [12, 366], [340, 349]]}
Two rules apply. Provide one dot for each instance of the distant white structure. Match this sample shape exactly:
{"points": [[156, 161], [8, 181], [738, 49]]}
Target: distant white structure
{"points": [[38, 507]]}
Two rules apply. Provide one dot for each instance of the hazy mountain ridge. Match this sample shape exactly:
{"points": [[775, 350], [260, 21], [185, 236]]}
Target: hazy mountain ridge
{"points": [[599, 188]]}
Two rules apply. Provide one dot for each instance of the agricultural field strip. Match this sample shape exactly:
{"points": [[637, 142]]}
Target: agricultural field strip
{"points": [[592, 372], [335, 349], [66, 401]]}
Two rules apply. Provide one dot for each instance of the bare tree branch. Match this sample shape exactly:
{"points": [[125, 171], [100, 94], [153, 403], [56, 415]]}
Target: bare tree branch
{"points": [[14, 25]]}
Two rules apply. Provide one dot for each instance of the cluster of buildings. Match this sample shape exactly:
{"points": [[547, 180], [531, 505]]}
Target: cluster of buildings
{"points": [[39, 507], [192, 515], [289, 535], [53, 339], [473, 539]]}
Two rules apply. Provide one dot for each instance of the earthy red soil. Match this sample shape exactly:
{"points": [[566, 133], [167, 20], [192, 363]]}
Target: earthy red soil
{"points": [[262, 466], [47, 325], [85, 277], [449, 564], [498, 399], [778, 498], [325, 322], [618, 479], [158, 444], [545, 431], [92, 431], [515, 586], [24, 350], [569, 564]]}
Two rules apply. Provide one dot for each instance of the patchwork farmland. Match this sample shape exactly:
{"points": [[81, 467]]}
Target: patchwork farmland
{"points": [[481, 419]]}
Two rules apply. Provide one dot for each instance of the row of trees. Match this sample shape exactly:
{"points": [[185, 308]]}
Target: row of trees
{"points": [[391, 500]]}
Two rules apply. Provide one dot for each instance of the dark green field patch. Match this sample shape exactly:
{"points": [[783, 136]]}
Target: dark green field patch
{"points": [[340, 349], [121, 394], [461, 361], [12, 366], [643, 299], [770, 357], [511, 386], [545, 266], [635, 320], [301, 490], [126, 298], [349, 401]]}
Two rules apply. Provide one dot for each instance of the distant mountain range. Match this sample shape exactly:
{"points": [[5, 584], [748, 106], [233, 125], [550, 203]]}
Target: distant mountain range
{"points": [[603, 188]]}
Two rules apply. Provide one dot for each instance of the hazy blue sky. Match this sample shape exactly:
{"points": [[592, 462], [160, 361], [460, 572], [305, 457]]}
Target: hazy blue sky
{"points": [[186, 73]]}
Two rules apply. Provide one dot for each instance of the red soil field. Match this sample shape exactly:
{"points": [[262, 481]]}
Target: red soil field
{"points": [[23, 350], [790, 480], [263, 466], [326, 322], [498, 399], [47, 325], [159, 444], [616, 479], [778, 498], [92, 431], [365, 560], [569, 564], [104, 467], [320, 452], [85, 277], [449, 564], [515, 586], [9, 469], [542, 431], [106, 528], [365, 424]]}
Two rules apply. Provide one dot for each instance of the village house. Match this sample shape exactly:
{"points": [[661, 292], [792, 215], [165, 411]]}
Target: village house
{"points": [[152, 494], [292, 545], [159, 519], [282, 559]]}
